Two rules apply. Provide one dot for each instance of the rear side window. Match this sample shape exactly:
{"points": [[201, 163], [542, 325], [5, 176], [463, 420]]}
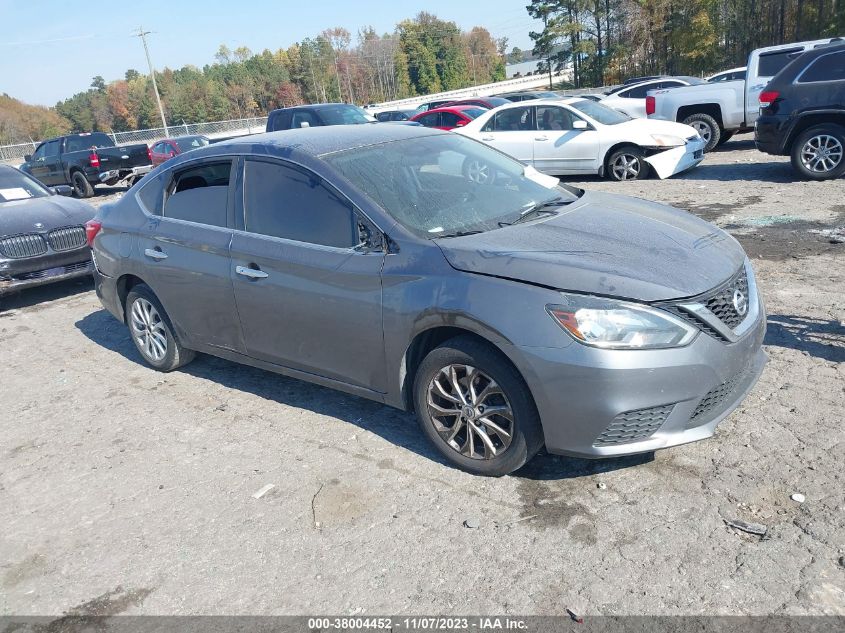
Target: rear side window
{"points": [[639, 92], [200, 194], [449, 119], [281, 121], [829, 67], [281, 201], [430, 120], [770, 64]]}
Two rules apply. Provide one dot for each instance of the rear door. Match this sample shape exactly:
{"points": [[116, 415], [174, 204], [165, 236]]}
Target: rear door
{"points": [[184, 249], [512, 131], [560, 149], [308, 299]]}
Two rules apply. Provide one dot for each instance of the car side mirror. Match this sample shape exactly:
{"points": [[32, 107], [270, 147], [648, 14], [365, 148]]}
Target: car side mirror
{"points": [[304, 124], [580, 125], [27, 157], [172, 154], [370, 238], [63, 190]]}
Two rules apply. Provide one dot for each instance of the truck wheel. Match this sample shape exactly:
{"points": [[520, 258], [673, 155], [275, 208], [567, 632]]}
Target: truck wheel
{"points": [[707, 127], [819, 153], [81, 187]]}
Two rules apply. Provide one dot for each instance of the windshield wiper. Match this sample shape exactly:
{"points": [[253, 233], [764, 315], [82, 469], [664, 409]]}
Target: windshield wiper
{"points": [[540, 208], [458, 234]]}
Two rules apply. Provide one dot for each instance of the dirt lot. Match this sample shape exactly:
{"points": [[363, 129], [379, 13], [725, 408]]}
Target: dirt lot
{"points": [[125, 490]]}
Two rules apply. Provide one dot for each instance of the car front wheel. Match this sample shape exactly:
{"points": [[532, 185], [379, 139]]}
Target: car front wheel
{"points": [[476, 409], [152, 331], [819, 153], [627, 163]]}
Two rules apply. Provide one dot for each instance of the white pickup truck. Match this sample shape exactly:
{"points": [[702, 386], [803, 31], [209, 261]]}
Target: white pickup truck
{"points": [[719, 110]]}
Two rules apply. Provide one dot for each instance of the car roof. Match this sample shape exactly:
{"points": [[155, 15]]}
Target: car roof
{"points": [[456, 108], [317, 141], [314, 106]]}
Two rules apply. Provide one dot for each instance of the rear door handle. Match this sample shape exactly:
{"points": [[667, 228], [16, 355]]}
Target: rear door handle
{"points": [[155, 253], [252, 273], [486, 138], [541, 138]]}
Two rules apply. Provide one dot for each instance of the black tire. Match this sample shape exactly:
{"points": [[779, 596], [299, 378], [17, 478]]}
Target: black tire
{"points": [[707, 127], [526, 436], [627, 163], [724, 138], [81, 187], [175, 355], [815, 139]]}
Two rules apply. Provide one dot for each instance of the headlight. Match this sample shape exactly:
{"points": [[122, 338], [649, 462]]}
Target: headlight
{"points": [[618, 325], [667, 140]]}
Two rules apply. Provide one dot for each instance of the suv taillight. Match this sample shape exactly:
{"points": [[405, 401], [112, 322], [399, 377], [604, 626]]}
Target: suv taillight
{"points": [[92, 227], [768, 97], [650, 105], [150, 153], [94, 160]]}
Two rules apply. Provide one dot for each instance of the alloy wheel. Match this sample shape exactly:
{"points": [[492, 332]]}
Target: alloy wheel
{"points": [[148, 330], [626, 167], [821, 153], [470, 412], [704, 130]]}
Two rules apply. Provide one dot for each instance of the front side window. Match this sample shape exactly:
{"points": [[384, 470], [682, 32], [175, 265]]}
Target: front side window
{"points": [[343, 114], [286, 202], [449, 119], [282, 121], [553, 118], [51, 149], [200, 194], [304, 116], [825, 68]]}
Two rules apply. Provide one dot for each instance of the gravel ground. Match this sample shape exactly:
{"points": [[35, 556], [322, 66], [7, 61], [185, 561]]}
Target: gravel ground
{"points": [[123, 490]]}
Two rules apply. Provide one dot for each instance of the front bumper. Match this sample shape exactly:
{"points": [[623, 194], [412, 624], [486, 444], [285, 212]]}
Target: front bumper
{"points": [[605, 403], [673, 161], [19, 274]]}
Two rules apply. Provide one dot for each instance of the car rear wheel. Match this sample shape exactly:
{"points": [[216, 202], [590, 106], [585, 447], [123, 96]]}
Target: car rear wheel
{"points": [[81, 187], [476, 408], [707, 128], [152, 331], [627, 163], [819, 153]]}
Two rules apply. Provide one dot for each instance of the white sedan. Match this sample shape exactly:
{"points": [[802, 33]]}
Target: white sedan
{"points": [[578, 136]]}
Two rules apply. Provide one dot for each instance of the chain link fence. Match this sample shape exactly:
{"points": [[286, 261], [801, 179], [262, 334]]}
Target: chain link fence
{"points": [[212, 129]]}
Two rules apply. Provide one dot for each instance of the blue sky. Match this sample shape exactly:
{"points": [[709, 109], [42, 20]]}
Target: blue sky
{"points": [[48, 52]]}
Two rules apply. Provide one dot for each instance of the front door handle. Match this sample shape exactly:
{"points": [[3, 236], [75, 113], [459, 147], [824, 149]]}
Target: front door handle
{"points": [[252, 273], [541, 138], [155, 253], [486, 138]]}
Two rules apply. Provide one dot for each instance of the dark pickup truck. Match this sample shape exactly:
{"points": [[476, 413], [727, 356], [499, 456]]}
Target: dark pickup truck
{"points": [[85, 160]]}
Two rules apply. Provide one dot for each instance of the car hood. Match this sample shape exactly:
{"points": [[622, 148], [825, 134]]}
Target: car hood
{"points": [[20, 216], [608, 245]]}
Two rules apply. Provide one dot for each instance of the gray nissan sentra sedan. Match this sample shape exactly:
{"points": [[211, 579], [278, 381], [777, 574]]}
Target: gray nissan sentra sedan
{"points": [[432, 273]]}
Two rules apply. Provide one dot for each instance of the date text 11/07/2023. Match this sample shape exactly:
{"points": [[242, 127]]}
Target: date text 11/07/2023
{"points": [[416, 623]]}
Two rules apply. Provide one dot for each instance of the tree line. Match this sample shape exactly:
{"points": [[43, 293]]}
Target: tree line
{"points": [[606, 41], [424, 54]]}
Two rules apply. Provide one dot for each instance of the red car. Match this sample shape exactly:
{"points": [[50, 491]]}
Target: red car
{"points": [[448, 118], [170, 147]]}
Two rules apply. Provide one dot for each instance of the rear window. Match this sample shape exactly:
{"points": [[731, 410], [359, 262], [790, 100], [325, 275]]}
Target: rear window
{"points": [[829, 67], [770, 64], [191, 142], [344, 115], [87, 141]]}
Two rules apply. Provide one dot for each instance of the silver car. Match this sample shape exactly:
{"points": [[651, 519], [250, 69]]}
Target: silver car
{"points": [[432, 273]]}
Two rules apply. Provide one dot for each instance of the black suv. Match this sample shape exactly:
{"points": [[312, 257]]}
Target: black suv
{"points": [[802, 113]]}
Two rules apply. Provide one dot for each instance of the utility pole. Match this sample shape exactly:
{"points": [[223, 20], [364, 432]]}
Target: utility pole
{"points": [[142, 34]]}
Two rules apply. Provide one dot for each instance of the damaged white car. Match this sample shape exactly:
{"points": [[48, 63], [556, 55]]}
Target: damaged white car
{"points": [[579, 136]]}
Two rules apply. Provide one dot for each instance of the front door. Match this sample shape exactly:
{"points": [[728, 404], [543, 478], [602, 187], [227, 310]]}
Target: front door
{"points": [[511, 131], [308, 299], [185, 251], [560, 149]]}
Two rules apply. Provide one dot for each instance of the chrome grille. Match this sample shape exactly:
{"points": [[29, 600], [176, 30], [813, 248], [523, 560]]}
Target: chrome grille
{"points": [[716, 398], [632, 426], [67, 238], [25, 245]]}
